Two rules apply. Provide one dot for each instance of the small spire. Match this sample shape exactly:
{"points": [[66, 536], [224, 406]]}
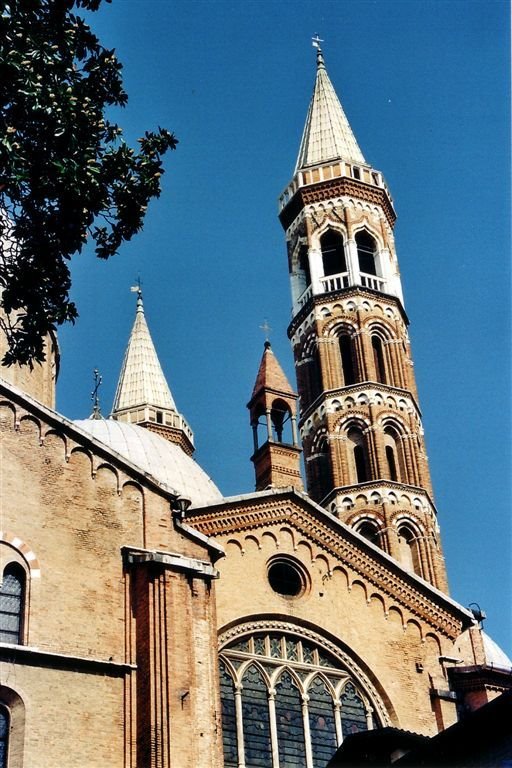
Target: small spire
{"points": [[95, 395], [143, 395]]}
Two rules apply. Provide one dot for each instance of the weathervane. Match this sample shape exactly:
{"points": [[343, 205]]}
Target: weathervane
{"points": [[137, 288], [315, 41], [95, 396]]}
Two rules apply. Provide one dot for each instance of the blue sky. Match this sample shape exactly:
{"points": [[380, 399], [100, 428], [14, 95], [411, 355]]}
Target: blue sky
{"points": [[425, 87]]}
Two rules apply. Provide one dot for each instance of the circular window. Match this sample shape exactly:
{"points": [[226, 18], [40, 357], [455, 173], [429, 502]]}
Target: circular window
{"points": [[286, 577]]}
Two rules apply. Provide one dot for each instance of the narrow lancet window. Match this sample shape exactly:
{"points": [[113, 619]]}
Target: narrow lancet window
{"points": [[347, 359], [366, 252], [333, 253]]}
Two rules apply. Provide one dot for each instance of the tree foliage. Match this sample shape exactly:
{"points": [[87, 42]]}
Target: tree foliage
{"points": [[67, 176]]}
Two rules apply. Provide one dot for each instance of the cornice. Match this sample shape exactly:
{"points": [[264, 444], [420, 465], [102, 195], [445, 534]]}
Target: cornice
{"points": [[326, 190], [352, 290], [331, 535]]}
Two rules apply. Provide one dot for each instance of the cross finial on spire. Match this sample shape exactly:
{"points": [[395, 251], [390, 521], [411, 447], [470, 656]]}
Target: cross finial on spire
{"points": [[267, 331], [95, 395], [315, 41]]}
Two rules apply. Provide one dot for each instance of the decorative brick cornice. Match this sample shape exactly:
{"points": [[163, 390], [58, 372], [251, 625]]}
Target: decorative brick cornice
{"points": [[327, 190], [331, 535]]}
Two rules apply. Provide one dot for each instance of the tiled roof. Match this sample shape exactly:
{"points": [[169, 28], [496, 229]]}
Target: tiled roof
{"points": [[327, 133], [271, 375], [142, 381]]}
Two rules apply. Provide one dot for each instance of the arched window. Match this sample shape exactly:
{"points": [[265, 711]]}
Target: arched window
{"points": [[353, 711], [12, 593], [394, 456], [304, 264], [323, 481], [370, 531], [366, 251], [333, 253], [280, 416], [408, 547], [347, 359], [255, 717], [229, 736], [378, 359], [277, 705], [357, 456]]}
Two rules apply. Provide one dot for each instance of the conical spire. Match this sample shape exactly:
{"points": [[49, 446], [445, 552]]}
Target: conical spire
{"points": [[271, 375], [142, 381], [143, 395], [327, 133]]}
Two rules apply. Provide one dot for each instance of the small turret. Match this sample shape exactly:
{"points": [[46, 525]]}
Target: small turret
{"points": [[273, 408]]}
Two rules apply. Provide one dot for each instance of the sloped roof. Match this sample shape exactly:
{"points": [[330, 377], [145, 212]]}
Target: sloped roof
{"points": [[327, 133], [164, 460], [271, 375]]}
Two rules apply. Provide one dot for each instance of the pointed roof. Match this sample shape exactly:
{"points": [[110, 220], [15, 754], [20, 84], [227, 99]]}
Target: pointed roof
{"points": [[327, 133], [271, 375], [142, 381]]}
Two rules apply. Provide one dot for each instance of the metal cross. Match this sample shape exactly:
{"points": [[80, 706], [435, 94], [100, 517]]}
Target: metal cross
{"points": [[266, 329], [316, 41]]}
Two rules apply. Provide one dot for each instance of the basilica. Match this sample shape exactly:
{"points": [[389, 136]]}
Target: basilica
{"points": [[147, 621]]}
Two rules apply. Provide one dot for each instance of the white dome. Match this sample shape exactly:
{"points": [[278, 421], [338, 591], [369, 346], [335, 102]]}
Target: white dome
{"points": [[494, 654], [164, 460]]}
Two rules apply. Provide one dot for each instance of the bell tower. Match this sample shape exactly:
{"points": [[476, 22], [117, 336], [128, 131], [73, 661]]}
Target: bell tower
{"points": [[360, 421]]}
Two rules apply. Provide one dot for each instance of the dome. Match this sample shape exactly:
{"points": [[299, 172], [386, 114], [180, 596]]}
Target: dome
{"points": [[164, 460], [494, 655]]}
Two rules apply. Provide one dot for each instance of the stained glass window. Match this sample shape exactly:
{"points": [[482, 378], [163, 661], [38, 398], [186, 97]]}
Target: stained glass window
{"points": [[290, 725], [228, 719], [321, 723], [284, 673], [11, 603], [4, 736], [256, 725], [353, 715]]}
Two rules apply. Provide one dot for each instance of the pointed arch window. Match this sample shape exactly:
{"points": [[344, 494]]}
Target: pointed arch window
{"points": [[295, 702], [12, 598], [378, 359], [333, 253], [366, 252], [347, 359], [358, 456]]}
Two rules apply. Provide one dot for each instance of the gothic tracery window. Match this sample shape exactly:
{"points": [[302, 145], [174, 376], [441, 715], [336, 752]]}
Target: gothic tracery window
{"points": [[296, 703]]}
